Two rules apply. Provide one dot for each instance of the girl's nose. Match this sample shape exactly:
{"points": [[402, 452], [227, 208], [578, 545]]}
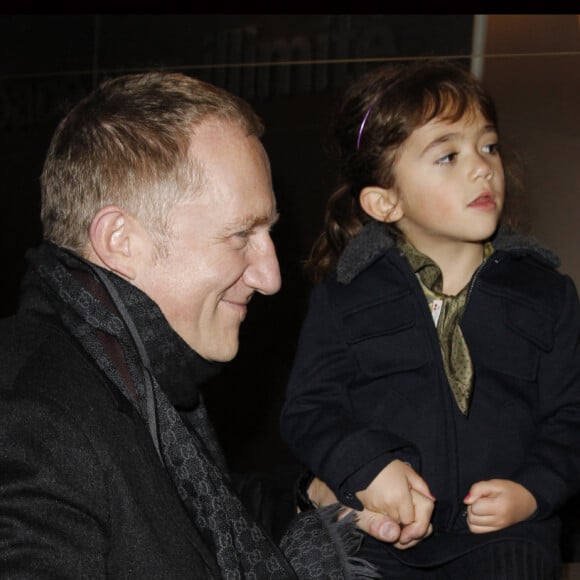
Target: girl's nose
{"points": [[483, 170]]}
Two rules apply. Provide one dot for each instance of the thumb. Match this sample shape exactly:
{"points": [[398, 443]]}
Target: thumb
{"points": [[477, 490], [419, 484], [379, 526]]}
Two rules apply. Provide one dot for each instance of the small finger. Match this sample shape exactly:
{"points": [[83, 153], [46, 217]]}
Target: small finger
{"points": [[478, 529]]}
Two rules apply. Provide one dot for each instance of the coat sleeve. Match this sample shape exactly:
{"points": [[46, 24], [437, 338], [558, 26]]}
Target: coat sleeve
{"points": [[50, 521], [270, 497], [317, 420], [551, 469]]}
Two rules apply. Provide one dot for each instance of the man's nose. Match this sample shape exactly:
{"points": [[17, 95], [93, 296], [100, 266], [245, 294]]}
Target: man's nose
{"points": [[263, 272]]}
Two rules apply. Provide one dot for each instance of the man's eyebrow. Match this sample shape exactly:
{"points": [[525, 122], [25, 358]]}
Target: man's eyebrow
{"points": [[252, 221]]}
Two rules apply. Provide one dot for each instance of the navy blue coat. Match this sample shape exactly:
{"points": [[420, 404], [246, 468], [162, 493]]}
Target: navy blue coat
{"points": [[368, 386]]}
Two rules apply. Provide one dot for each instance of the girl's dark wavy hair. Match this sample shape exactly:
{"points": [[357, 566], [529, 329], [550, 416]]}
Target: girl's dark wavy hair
{"points": [[398, 100]]}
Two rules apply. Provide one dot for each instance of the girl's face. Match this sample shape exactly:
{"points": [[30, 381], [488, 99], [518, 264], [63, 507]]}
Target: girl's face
{"points": [[450, 182]]}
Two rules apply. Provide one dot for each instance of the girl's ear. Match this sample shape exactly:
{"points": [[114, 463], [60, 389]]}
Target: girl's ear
{"points": [[382, 204], [111, 240]]}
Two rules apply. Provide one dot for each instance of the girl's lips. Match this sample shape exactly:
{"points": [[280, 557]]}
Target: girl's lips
{"points": [[484, 201]]}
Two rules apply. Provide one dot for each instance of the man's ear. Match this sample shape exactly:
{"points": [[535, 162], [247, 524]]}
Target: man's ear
{"points": [[112, 240], [382, 204]]}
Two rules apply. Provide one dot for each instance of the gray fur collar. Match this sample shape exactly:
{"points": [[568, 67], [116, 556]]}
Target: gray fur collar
{"points": [[375, 239]]}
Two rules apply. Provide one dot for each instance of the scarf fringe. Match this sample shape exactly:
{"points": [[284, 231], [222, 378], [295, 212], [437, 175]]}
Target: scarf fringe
{"points": [[347, 539]]}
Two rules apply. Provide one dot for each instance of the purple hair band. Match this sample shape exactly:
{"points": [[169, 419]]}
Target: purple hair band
{"points": [[362, 126]]}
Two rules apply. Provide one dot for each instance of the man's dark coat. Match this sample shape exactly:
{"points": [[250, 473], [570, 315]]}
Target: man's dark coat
{"points": [[83, 493]]}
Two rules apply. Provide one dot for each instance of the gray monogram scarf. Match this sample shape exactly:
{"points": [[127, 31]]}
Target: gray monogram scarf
{"points": [[128, 337]]}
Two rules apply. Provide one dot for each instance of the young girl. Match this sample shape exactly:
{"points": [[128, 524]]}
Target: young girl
{"points": [[437, 376]]}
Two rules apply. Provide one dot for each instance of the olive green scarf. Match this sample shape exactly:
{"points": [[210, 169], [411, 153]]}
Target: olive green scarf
{"points": [[446, 311]]}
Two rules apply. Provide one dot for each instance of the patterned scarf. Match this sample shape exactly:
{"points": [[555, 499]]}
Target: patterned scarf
{"points": [[447, 312], [128, 337]]}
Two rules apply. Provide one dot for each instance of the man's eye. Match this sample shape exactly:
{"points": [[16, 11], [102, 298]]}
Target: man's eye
{"points": [[449, 158], [244, 234]]}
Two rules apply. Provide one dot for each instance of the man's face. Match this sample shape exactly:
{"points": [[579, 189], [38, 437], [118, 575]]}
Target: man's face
{"points": [[220, 251]]}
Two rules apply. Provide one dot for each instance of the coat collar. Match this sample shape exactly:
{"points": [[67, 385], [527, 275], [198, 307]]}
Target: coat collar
{"points": [[114, 308], [376, 238]]}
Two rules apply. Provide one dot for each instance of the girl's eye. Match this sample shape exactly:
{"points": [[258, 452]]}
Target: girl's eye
{"points": [[446, 159], [492, 148]]}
